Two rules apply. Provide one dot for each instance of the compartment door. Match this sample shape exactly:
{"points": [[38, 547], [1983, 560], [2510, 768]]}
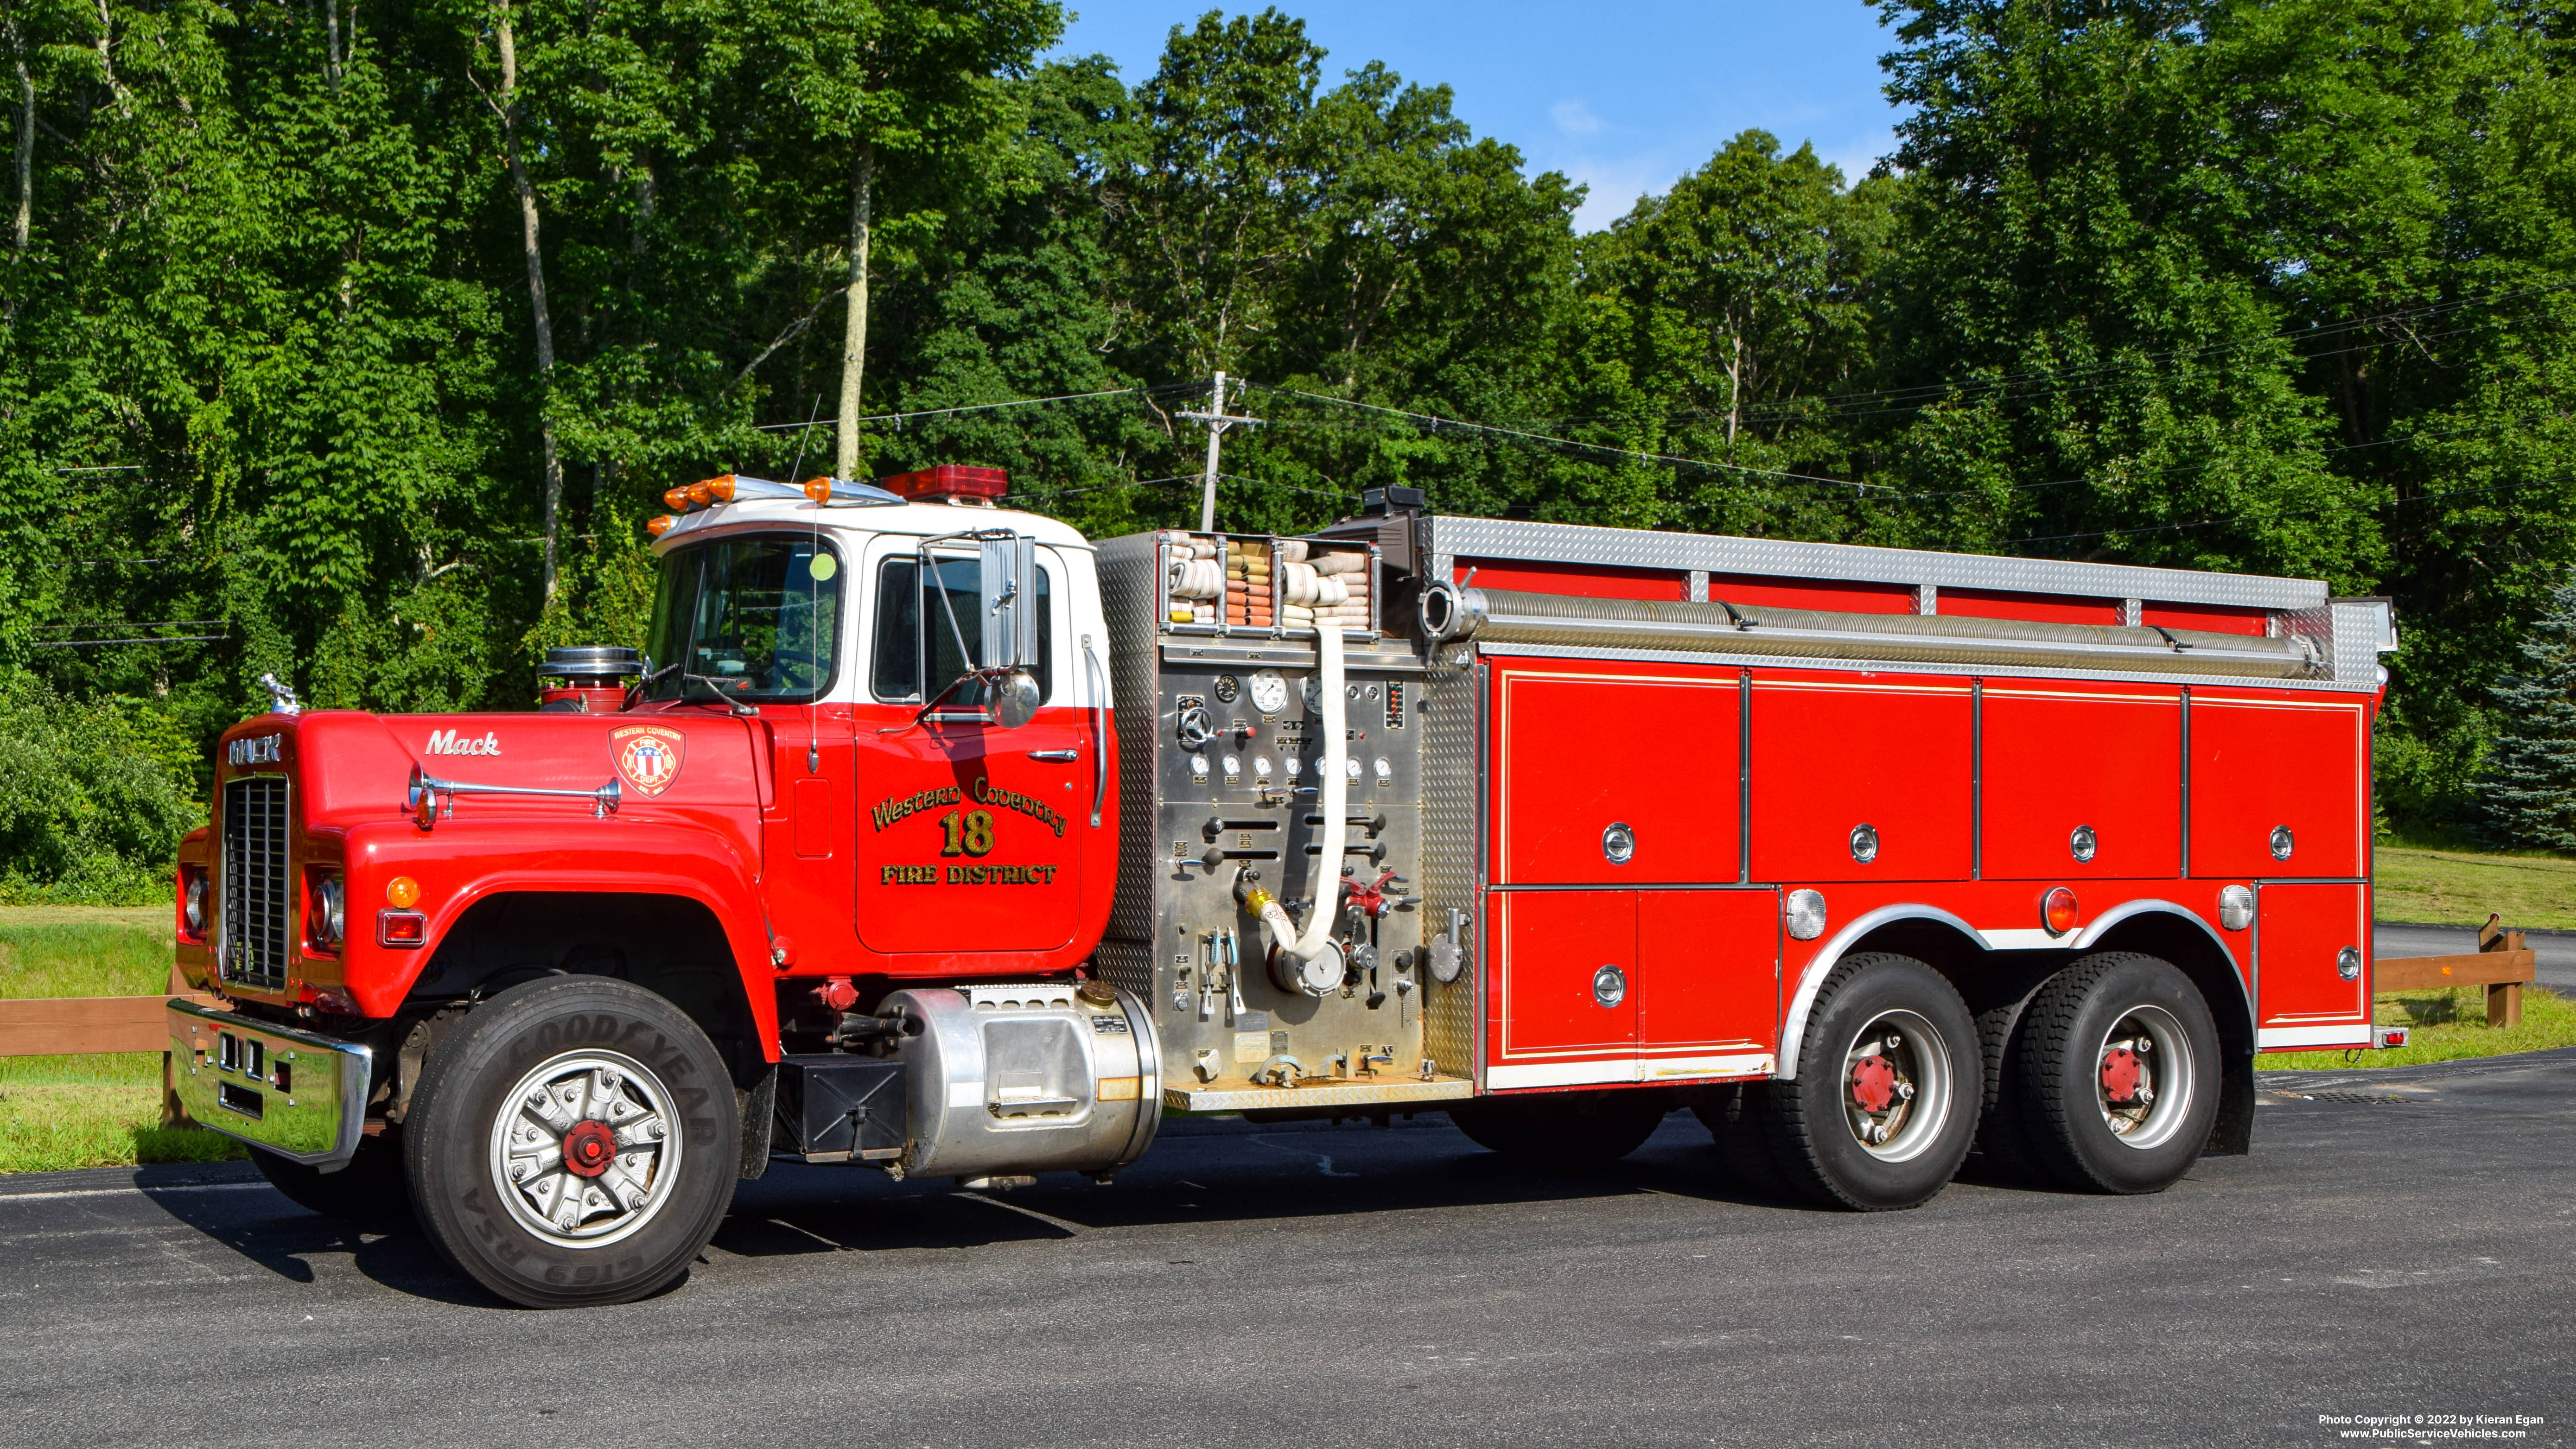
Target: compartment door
{"points": [[1565, 989], [1577, 751], [1835, 751], [2299, 990], [1708, 983], [2103, 758], [2260, 762]]}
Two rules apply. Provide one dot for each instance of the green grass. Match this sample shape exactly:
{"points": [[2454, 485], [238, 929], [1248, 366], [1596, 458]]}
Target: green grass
{"points": [[2448, 1025], [2442, 885], [89, 1111]]}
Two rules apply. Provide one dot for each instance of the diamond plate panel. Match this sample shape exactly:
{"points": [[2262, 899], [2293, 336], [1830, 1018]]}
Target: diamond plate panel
{"points": [[1449, 707], [1129, 572], [1127, 964], [1453, 538]]}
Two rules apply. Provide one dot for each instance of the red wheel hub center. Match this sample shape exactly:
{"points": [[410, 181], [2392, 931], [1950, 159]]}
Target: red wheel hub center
{"points": [[588, 1149], [2120, 1074], [1873, 1083]]}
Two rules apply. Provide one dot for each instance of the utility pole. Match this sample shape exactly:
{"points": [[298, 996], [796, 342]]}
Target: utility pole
{"points": [[1217, 420]]}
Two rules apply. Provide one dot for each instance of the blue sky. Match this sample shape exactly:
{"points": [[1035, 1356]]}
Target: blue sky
{"points": [[1625, 97]]}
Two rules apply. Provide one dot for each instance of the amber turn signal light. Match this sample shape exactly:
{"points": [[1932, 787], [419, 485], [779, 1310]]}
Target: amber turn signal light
{"points": [[402, 891], [401, 928], [2057, 911]]}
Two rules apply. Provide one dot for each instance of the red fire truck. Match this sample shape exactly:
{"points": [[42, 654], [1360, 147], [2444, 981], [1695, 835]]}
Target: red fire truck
{"points": [[930, 836]]}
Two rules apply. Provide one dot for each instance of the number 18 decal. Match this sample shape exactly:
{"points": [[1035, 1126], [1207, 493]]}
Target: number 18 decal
{"points": [[969, 833]]}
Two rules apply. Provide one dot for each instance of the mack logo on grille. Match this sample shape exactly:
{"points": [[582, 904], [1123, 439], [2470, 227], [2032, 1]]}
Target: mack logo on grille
{"points": [[448, 742], [255, 750]]}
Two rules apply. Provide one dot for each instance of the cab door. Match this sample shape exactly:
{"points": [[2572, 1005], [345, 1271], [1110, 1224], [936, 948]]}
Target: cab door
{"points": [[965, 840]]}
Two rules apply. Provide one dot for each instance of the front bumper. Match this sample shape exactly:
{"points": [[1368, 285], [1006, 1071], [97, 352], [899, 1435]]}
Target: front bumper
{"points": [[299, 1095]]}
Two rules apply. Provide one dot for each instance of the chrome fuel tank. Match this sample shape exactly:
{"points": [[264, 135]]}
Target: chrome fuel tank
{"points": [[1024, 1078]]}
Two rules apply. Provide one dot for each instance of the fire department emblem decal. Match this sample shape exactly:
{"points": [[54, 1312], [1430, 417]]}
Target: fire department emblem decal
{"points": [[648, 756]]}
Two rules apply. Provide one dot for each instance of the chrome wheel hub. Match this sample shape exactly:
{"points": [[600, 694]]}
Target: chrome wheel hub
{"points": [[583, 1149], [1896, 1086], [2143, 1078]]}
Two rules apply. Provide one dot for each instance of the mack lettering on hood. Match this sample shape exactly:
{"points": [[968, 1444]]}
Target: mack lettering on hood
{"points": [[446, 742]]}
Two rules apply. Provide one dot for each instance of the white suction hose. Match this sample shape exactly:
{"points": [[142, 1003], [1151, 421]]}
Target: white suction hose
{"points": [[1332, 800]]}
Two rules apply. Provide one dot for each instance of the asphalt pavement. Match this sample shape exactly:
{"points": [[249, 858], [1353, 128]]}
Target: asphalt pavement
{"points": [[2401, 1243], [2553, 953]]}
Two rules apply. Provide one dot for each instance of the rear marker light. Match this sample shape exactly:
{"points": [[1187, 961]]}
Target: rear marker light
{"points": [[1806, 914], [401, 928], [2236, 907], [2057, 911], [2386, 1037]]}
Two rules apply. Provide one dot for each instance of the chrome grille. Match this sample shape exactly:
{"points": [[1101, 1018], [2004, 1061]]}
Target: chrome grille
{"points": [[258, 895]]}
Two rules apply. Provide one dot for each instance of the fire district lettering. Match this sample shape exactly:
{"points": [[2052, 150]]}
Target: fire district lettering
{"points": [[887, 812], [967, 874]]}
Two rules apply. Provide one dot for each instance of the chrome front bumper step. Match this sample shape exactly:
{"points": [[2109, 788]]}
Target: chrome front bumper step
{"points": [[299, 1095]]}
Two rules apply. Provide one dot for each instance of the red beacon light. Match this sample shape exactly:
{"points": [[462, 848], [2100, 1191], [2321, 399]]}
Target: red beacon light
{"points": [[948, 480]]}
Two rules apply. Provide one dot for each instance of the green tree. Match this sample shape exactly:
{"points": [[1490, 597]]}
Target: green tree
{"points": [[2527, 795]]}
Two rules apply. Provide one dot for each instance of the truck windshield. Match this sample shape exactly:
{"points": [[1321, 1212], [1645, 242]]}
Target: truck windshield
{"points": [[758, 618]]}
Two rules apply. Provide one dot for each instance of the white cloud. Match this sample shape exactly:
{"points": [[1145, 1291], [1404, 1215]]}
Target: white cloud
{"points": [[1575, 118], [1616, 183], [1857, 155]]}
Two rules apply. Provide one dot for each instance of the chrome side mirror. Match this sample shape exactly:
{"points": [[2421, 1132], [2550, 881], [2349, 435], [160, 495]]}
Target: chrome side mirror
{"points": [[1008, 582], [1014, 700]]}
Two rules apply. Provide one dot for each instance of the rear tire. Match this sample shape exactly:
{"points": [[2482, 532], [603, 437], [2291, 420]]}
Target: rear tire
{"points": [[2119, 1074], [1568, 1129], [2003, 1138], [369, 1189], [1889, 1083], [573, 1141]]}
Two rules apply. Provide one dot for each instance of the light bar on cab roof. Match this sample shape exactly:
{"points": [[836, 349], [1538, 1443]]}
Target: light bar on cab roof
{"points": [[734, 488], [842, 493]]}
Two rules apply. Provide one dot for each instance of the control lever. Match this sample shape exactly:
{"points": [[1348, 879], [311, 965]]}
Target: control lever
{"points": [[1233, 978]]}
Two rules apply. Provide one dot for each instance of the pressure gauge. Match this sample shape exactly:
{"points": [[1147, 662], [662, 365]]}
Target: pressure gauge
{"points": [[1313, 689], [1225, 689], [1269, 692]]}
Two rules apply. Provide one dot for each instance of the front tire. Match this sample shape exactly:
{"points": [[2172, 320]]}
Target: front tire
{"points": [[369, 1189], [2119, 1074], [573, 1141], [1567, 1129], [1888, 1088]]}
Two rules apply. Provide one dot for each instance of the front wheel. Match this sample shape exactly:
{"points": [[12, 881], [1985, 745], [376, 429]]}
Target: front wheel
{"points": [[2119, 1074], [1888, 1087], [573, 1141]]}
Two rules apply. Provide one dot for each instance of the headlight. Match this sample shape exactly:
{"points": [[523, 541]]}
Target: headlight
{"points": [[196, 905], [330, 911]]}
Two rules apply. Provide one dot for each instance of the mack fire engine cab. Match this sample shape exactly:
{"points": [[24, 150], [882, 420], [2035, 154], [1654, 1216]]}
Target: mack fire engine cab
{"points": [[929, 837]]}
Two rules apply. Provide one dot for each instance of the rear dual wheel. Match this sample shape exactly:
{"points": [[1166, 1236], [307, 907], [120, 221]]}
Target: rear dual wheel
{"points": [[1884, 1105], [2115, 1076]]}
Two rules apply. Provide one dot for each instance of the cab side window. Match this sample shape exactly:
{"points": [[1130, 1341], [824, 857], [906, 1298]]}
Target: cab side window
{"points": [[913, 620]]}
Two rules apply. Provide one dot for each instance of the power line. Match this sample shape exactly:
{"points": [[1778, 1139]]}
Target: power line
{"points": [[2287, 513], [1438, 424], [1026, 402]]}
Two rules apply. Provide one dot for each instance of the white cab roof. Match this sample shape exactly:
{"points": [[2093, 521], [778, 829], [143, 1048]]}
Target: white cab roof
{"points": [[923, 520]]}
